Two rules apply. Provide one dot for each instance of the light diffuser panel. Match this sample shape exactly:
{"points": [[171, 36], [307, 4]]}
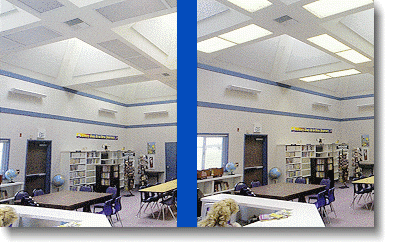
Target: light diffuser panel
{"points": [[315, 78], [353, 56], [325, 8], [213, 44], [251, 6], [245, 34], [343, 73], [329, 43]]}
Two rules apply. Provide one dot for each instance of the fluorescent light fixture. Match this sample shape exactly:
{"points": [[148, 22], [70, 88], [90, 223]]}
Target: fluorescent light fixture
{"points": [[343, 73], [325, 8], [329, 43], [29, 93], [353, 56], [315, 78], [365, 105], [251, 5], [245, 34], [243, 89], [321, 104], [160, 112], [105, 110], [213, 44]]}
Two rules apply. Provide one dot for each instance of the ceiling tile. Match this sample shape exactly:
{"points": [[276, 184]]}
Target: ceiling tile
{"points": [[6, 44], [209, 8], [362, 23], [172, 3], [33, 36], [129, 9], [42, 5]]}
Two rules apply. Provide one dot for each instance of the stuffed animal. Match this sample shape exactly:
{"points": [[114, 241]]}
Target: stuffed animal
{"points": [[220, 214], [7, 216]]}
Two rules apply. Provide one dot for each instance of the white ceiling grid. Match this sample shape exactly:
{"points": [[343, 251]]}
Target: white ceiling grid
{"points": [[286, 55], [74, 43]]}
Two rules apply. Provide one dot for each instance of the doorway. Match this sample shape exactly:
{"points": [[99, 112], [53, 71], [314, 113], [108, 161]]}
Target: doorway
{"points": [[38, 166], [255, 158], [170, 161]]}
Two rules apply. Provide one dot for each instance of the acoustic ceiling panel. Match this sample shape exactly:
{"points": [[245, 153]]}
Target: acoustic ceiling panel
{"points": [[6, 44], [42, 5], [143, 63], [172, 3], [119, 48], [129, 9], [362, 23], [209, 8], [33, 35]]}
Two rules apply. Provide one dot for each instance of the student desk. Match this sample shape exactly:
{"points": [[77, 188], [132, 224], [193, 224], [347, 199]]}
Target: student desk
{"points": [[287, 191], [71, 200]]}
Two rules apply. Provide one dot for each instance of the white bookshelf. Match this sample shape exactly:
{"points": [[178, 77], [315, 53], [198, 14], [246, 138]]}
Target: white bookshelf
{"points": [[226, 182], [8, 191]]}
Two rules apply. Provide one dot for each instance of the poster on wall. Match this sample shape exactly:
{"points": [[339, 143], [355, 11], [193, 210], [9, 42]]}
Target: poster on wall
{"points": [[365, 154], [151, 162], [151, 148], [365, 141]]}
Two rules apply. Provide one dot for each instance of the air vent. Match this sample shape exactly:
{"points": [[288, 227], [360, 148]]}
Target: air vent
{"points": [[165, 74], [76, 24], [283, 19]]}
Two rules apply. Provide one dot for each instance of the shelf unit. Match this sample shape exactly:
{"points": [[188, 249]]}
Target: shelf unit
{"points": [[81, 166], [107, 175], [8, 190], [322, 167], [297, 159], [223, 184]]}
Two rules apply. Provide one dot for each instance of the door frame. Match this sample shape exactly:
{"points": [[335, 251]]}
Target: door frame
{"points": [[47, 185], [264, 157]]}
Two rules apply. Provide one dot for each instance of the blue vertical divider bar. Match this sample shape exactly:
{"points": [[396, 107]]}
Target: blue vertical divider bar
{"points": [[187, 113]]}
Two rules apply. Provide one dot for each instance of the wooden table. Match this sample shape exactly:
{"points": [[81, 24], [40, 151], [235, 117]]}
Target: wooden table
{"points": [[287, 191], [161, 188], [71, 200], [368, 180]]}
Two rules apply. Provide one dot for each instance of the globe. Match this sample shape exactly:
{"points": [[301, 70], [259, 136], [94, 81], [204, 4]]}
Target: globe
{"points": [[58, 180], [10, 174], [274, 173], [230, 167]]}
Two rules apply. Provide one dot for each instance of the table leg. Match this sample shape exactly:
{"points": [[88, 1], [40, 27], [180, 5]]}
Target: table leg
{"points": [[302, 199], [86, 208]]}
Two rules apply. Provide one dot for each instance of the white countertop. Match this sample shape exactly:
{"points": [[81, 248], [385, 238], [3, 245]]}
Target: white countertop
{"points": [[302, 214], [85, 219]]}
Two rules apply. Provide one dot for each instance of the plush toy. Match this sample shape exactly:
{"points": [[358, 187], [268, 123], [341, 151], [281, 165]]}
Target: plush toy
{"points": [[220, 214], [7, 216]]}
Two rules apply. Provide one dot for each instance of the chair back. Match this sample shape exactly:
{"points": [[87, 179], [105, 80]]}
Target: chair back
{"points": [[37, 192], [331, 196], [326, 182], [255, 183], [239, 186], [107, 210], [321, 199], [85, 189], [113, 190], [118, 205], [300, 181], [21, 194]]}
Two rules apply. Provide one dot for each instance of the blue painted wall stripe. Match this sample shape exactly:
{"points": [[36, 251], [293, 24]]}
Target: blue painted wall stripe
{"points": [[265, 81], [274, 112], [47, 84], [77, 120]]}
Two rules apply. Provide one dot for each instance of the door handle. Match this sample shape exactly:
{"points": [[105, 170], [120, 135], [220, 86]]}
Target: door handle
{"points": [[36, 175]]}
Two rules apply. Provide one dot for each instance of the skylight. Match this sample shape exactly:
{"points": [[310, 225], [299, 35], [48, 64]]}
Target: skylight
{"points": [[353, 56], [325, 8], [251, 6], [213, 44], [330, 75], [329, 43]]}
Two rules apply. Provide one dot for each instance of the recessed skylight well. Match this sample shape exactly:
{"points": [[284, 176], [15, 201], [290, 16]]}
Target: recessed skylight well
{"points": [[329, 43], [252, 5], [245, 34], [213, 44], [325, 8]]}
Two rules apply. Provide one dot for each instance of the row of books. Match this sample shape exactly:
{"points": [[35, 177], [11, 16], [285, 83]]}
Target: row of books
{"points": [[221, 186]]}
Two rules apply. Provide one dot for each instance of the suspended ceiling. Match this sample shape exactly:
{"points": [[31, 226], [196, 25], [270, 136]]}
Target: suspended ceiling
{"points": [[286, 55], [120, 50]]}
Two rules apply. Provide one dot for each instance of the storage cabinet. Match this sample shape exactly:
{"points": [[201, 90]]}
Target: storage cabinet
{"points": [[322, 167], [223, 184], [107, 175]]}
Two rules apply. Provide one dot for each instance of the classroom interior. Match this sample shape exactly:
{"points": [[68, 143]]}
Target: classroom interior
{"points": [[286, 103], [88, 112]]}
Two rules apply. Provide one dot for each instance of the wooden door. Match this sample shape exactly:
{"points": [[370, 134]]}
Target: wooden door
{"points": [[38, 166], [255, 159]]}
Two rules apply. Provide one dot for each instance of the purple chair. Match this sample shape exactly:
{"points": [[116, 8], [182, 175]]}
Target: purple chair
{"points": [[255, 183], [108, 211], [110, 189], [300, 181], [330, 198], [38, 192], [325, 182], [85, 188], [321, 204]]}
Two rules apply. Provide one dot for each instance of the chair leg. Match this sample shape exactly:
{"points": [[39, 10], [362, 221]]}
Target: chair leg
{"points": [[333, 210], [172, 213]]}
